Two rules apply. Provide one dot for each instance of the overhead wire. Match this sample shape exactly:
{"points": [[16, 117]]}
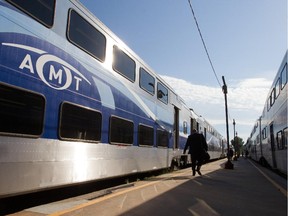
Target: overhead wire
{"points": [[205, 47], [203, 42]]}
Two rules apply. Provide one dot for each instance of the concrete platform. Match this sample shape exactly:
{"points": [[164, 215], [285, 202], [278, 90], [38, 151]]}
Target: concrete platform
{"points": [[248, 189]]}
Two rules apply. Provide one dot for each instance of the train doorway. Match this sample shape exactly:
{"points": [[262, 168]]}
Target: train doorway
{"points": [[194, 125], [176, 128], [272, 142]]}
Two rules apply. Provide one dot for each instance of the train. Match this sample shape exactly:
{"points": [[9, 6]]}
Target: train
{"points": [[78, 105], [267, 143]]}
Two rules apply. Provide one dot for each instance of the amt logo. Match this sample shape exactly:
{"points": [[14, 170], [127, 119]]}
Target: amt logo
{"points": [[61, 75]]}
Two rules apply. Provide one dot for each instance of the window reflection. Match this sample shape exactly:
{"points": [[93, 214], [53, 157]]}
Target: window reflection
{"points": [[147, 81]]}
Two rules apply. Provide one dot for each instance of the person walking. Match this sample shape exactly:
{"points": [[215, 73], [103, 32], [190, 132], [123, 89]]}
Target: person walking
{"points": [[197, 147]]}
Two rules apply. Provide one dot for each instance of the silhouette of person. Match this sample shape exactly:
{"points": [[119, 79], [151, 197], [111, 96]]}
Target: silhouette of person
{"points": [[197, 147]]}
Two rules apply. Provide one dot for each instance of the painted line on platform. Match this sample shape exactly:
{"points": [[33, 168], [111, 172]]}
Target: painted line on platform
{"points": [[281, 189], [98, 200]]}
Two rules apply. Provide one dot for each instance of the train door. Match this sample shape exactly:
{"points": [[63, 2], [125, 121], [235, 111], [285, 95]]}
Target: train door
{"points": [[272, 142], [194, 125], [176, 128]]}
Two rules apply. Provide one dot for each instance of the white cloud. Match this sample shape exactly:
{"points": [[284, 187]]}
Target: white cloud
{"points": [[195, 93], [245, 98], [249, 94]]}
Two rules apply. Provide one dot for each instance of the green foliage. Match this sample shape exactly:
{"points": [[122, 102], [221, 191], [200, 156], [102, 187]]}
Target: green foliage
{"points": [[237, 143]]}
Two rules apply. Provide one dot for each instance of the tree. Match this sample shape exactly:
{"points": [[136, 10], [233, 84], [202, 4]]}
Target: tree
{"points": [[237, 143]]}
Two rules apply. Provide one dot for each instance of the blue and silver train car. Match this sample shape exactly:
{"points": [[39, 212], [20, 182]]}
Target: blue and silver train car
{"points": [[268, 140], [215, 141], [76, 104]]}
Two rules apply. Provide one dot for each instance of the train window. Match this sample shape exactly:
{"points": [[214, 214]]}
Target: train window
{"points": [[21, 112], [162, 138], [121, 131], [123, 64], [264, 133], [185, 127], [162, 93], [147, 81], [285, 137], [145, 135], [277, 88], [272, 97], [79, 123], [81, 33], [41, 10], [284, 76], [279, 140], [270, 101]]}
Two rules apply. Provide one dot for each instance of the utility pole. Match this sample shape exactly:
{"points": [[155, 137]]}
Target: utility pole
{"points": [[235, 143], [228, 164], [234, 127]]}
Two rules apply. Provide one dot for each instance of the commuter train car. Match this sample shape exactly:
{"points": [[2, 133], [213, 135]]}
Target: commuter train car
{"points": [[77, 105], [215, 141], [268, 140]]}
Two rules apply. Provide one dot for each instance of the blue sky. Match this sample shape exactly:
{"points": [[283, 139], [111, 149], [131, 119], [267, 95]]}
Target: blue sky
{"points": [[246, 41]]}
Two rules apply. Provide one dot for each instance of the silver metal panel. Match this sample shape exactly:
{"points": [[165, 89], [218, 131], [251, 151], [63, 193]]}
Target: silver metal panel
{"points": [[32, 164]]}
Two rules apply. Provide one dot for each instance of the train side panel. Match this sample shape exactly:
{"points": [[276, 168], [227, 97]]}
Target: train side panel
{"points": [[70, 115], [268, 140]]}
